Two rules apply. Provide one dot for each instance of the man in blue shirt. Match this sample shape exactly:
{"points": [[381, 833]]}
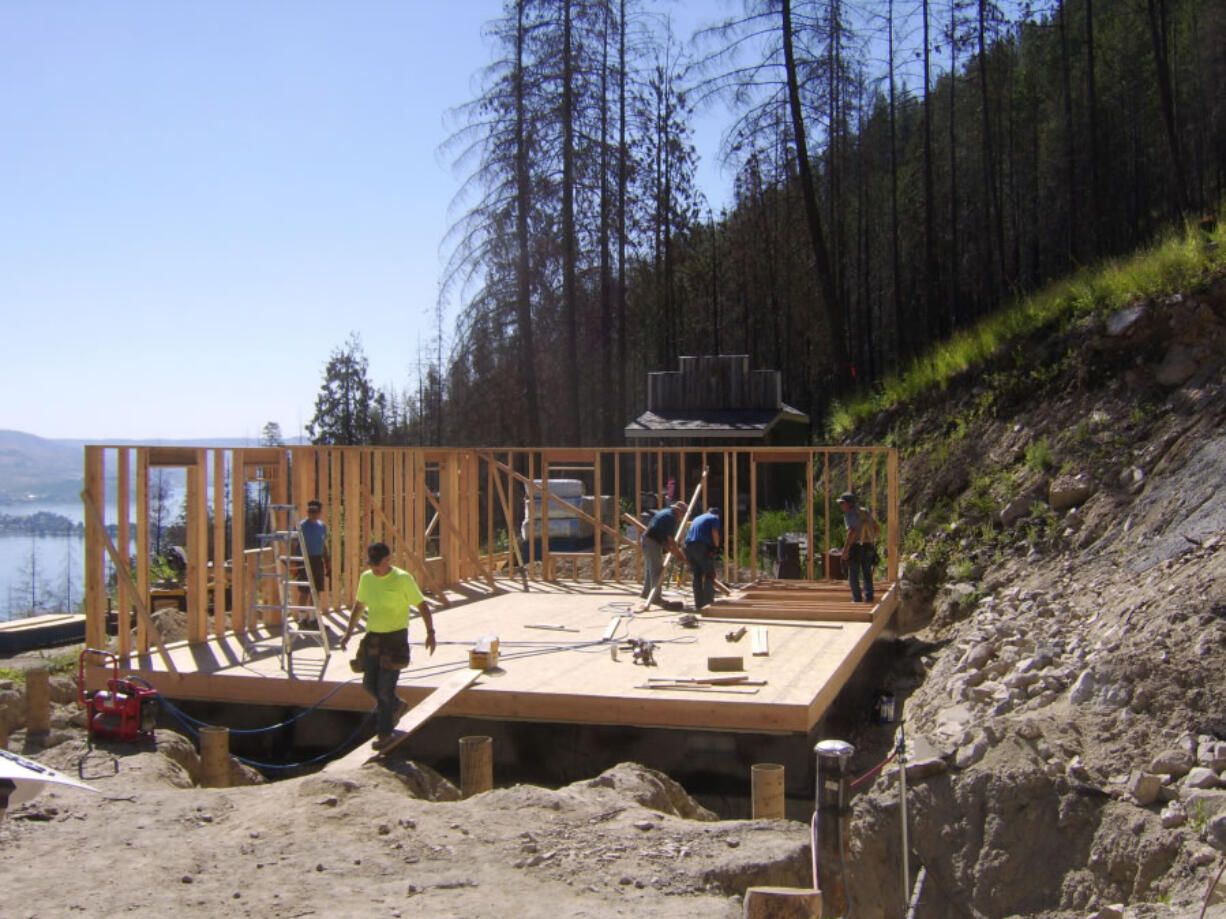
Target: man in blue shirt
{"points": [[315, 548], [660, 535], [701, 547], [859, 549]]}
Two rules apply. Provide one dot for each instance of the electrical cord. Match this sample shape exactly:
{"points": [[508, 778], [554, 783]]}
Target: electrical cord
{"points": [[193, 725], [188, 719], [872, 772]]}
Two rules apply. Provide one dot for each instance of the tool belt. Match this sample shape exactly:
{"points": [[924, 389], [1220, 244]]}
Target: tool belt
{"points": [[392, 649], [862, 552]]}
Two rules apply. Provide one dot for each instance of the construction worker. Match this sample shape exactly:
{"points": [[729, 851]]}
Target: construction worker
{"points": [[860, 548], [319, 562], [387, 593], [701, 548], [659, 536]]}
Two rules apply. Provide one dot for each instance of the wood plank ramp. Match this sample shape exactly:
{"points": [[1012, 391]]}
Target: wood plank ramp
{"points": [[418, 715]]}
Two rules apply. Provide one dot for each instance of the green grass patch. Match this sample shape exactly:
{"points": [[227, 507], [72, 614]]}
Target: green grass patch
{"points": [[62, 662], [1039, 456], [1177, 262]]}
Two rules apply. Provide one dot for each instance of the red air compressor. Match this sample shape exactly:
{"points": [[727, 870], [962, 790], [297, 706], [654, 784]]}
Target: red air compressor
{"points": [[126, 710]]}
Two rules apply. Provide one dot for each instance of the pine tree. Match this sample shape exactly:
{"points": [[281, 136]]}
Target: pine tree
{"points": [[348, 409]]}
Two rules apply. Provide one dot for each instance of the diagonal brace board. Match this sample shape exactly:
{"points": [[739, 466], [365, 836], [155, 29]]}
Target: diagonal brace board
{"points": [[655, 591], [418, 715], [533, 488], [121, 571], [464, 546], [399, 542]]}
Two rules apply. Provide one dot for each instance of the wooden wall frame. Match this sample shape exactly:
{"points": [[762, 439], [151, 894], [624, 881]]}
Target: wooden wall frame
{"points": [[473, 501]]}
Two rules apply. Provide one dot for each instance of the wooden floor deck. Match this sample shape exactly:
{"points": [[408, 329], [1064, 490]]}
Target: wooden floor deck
{"points": [[816, 639]]}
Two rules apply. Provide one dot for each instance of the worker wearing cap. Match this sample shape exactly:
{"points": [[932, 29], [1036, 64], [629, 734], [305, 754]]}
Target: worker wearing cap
{"points": [[660, 535], [701, 547], [859, 549]]}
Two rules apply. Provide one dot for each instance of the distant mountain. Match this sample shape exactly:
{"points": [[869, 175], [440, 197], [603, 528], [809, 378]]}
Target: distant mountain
{"points": [[35, 468]]}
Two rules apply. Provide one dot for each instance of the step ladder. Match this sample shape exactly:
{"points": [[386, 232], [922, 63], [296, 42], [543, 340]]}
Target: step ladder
{"points": [[282, 555]]}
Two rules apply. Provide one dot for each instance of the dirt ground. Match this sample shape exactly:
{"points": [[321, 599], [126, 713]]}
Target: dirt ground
{"points": [[361, 844]]}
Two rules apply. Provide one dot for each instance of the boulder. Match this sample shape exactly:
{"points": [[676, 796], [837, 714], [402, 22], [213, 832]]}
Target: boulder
{"points": [[1178, 366], [12, 710], [1144, 788], [1122, 321], [955, 719], [1175, 763], [1205, 802], [1015, 510], [971, 753], [1215, 832], [1069, 491], [920, 769], [1201, 777], [1212, 754], [977, 656], [1173, 816], [64, 690], [1083, 690], [651, 789], [422, 781]]}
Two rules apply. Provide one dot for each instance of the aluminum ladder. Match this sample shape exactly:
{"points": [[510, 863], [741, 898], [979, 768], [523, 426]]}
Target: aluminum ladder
{"points": [[282, 550]]}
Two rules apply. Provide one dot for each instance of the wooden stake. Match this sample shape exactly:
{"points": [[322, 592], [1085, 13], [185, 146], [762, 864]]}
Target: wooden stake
{"points": [[215, 757], [38, 701], [476, 765], [766, 781]]}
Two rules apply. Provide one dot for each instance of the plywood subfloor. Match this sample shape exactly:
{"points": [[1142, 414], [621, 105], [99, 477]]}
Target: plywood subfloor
{"points": [[816, 639]]}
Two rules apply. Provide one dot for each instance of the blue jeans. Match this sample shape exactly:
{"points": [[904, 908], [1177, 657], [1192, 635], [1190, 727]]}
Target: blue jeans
{"points": [[653, 565], [698, 554], [860, 567], [381, 683]]}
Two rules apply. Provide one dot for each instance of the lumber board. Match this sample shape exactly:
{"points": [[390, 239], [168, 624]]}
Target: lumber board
{"points": [[831, 613], [173, 456], [654, 597], [791, 623], [700, 687], [418, 715], [124, 574]]}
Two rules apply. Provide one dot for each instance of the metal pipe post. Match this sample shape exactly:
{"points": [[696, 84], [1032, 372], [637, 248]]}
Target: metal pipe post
{"points": [[832, 817]]}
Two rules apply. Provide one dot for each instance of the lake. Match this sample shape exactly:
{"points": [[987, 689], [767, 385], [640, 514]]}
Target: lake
{"points": [[47, 572]]}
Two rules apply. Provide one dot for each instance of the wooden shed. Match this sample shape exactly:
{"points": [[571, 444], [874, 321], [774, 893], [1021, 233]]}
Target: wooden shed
{"points": [[717, 398]]}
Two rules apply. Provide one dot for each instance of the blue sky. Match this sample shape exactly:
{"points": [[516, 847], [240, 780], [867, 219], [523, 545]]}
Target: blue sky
{"points": [[200, 199]]}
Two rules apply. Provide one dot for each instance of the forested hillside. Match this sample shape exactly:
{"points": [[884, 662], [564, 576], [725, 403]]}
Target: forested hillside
{"points": [[902, 168]]}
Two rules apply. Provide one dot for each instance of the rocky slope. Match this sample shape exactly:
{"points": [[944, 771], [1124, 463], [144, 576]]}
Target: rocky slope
{"points": [[1065, 709]]}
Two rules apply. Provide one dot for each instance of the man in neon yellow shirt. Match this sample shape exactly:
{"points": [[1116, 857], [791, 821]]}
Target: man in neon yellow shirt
{"points": [[386, 593]]}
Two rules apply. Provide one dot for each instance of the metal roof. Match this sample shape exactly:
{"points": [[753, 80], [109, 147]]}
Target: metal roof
{"points": [[744, 425]]}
